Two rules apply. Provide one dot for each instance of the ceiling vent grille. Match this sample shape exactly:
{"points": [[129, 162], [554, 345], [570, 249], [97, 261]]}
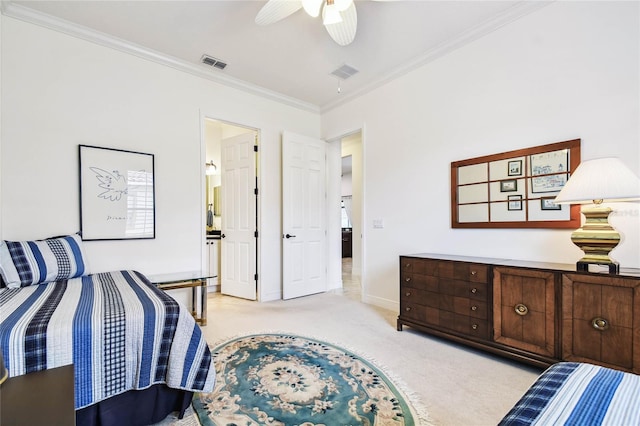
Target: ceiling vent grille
{"points": [[213, 62], [344, 72]]}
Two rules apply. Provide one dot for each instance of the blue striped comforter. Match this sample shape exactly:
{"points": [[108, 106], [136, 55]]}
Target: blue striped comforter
{"points": [[119, 331], [570, 393]]}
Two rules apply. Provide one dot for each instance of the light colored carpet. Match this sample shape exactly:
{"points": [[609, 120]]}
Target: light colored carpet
{"points": [[457, 385], [190, 419]]}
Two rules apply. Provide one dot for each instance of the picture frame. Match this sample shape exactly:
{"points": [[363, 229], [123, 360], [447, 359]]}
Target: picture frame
{"points": [[514, 202], [481, 186], [550, 183], [548, 204], [510, 185], [549, 171], [514, 168], [117, 194]]}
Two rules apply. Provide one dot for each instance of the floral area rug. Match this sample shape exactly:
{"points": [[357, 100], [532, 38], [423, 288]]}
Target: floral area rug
{"points": [[278, 379]]}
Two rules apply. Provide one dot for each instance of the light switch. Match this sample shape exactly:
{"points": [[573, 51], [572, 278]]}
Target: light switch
{"points": [[378, 223]]}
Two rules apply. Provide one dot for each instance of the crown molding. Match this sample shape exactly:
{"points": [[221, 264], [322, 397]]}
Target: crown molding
{"points": [[56, 24], [490, 25], [509, 15]]}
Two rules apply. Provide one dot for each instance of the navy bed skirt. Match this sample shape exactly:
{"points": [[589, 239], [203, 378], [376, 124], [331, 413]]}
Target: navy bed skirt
{"points": [[136, 407]]}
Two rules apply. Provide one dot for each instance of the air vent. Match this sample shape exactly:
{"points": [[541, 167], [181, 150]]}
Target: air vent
{"points": [[213, 62], [344, 72]]}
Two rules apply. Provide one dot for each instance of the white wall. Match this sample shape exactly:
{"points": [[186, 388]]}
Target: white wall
{"points": [[346, 187], [0, 128], [59, 91], [569, 70]]}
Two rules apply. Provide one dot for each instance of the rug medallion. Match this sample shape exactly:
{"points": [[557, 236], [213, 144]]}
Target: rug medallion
{"points": [[278, 379]]}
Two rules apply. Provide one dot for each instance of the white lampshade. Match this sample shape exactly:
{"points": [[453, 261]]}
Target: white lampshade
{"points": [[607, 179]]}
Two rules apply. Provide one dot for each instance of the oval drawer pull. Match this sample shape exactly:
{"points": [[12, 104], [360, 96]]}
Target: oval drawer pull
{"points": [[474, 308], [521, 309], [473, 272], [600, 324], [407, 279], [408, 308], [474, 326], [408, 294], [407, 265], [474, 290]]}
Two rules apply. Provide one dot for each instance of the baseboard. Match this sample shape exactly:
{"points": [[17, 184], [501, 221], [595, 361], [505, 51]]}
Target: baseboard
{"points": [[270, 297], [391, 305], [336, 285]]}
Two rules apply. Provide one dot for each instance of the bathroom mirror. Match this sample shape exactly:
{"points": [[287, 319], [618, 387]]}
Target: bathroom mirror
{"points": [[213, 193]]}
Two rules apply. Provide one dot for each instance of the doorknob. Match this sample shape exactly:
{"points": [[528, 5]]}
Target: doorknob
{"points": [[289, 236], [222, 236]]}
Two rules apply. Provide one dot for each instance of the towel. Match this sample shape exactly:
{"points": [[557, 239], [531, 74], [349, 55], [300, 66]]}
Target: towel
{"points": [[210, 217]]}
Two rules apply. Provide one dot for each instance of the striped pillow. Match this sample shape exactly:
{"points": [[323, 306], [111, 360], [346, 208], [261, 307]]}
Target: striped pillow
{"points": [[25, 263]]}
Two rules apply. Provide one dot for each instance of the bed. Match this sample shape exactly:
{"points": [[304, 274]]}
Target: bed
{"points": [[570, 393], [138, 355]]}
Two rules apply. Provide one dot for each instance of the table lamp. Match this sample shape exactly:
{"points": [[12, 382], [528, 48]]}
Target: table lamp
{"points": [[594, 182]]}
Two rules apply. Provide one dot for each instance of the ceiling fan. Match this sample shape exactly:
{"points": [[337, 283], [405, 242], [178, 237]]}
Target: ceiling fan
{"points": [[338, 16]]}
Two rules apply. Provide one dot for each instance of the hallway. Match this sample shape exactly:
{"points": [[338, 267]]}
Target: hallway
{"points": [[351, 284]]}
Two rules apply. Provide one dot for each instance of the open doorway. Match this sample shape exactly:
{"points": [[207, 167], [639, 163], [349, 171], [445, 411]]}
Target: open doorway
{"points": [[231, 206], [351, 213]]}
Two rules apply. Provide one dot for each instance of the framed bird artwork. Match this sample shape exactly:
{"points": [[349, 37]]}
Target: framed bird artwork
{"points": [[117, 194]]}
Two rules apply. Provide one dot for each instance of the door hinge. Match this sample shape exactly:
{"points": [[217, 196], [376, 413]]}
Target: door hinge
{"points": [[255, 148], [255, 277], [255, 234], [255, 191]]}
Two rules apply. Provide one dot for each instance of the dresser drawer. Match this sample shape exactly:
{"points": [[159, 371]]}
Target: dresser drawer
{"points": [[420, 313], [464, 324], [414, 280], [414, 296], [418, 266], [445, 320], [463, 306], [477, 291], [463, 271]]}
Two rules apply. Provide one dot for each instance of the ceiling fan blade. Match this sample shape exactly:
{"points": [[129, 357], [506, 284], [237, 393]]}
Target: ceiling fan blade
{"points": [[275, 10], [344, 32], [312, 7]]}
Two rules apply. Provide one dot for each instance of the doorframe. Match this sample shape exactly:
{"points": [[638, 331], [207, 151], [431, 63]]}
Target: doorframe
{"points": [[334, 193], [203, 181]]}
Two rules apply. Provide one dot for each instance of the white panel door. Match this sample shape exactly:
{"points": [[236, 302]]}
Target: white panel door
{"points": [[304, 266], [238, 242]]}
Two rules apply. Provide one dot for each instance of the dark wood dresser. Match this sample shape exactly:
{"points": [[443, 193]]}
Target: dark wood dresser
{"points": [[535, 312]]}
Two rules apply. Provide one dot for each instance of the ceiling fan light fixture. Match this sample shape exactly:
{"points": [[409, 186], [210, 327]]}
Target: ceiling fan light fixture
{"points": [[342, 5], [312, 7], [344, 32], [339, 17], [331, 14]]}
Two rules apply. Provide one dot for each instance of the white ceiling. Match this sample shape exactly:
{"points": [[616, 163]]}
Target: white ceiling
{"points": [[294, 57]]}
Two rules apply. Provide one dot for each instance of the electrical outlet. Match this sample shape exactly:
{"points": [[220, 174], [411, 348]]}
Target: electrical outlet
{"points": [[378, 223]]}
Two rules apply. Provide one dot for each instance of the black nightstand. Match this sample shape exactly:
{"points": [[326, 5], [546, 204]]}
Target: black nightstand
{"points": [[40, 398]]}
